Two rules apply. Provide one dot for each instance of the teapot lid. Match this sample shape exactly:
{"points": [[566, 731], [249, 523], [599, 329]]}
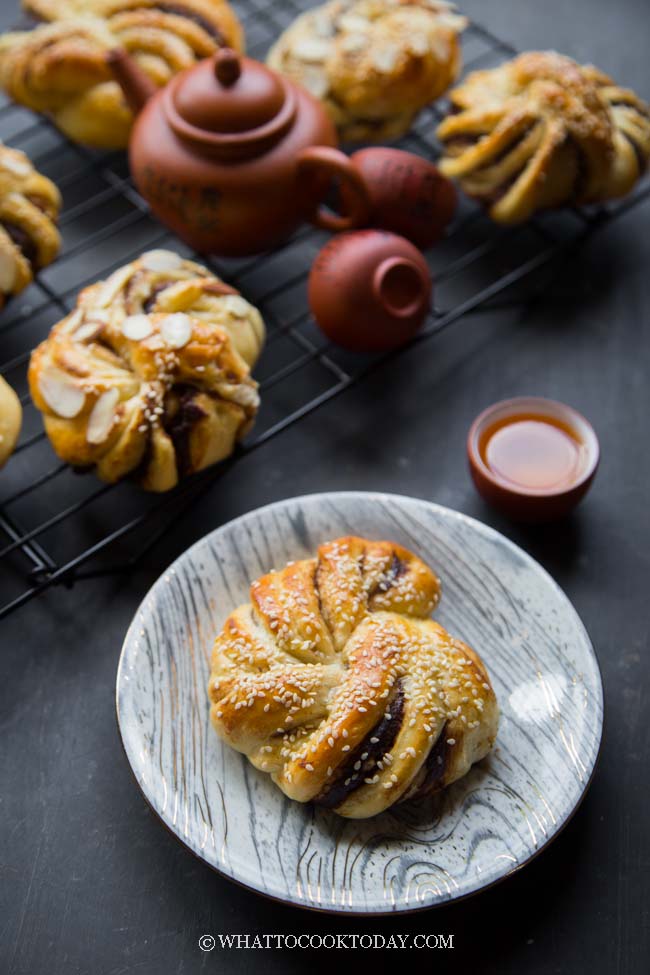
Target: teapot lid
{"points": [[230, 105]]}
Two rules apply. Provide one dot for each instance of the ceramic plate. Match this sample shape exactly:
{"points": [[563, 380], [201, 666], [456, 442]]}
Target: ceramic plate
{"points": [[495, 597]]}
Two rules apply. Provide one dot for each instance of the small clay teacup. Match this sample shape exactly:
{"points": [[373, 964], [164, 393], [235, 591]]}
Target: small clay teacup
{"points": [[369, 290]]}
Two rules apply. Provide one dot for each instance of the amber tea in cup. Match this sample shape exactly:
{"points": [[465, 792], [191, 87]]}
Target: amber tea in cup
{"points": [[531, 457]]}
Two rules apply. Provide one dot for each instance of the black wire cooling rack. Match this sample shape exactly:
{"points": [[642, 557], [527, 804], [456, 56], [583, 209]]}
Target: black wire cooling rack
{"points": [[56, 526]]}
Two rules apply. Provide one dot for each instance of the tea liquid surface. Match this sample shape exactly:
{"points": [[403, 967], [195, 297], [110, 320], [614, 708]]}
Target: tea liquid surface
{"points": [[534, 452]]}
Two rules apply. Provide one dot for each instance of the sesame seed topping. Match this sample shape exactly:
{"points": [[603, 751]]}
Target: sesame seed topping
{"points": [[323, 643]]}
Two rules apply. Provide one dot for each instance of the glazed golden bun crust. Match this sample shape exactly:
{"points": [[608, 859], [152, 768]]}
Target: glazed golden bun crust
{"points": [[542, 131], [60, 67], [374, 64], [29, 207], [334, 681], [11, 417], [149, 377]]}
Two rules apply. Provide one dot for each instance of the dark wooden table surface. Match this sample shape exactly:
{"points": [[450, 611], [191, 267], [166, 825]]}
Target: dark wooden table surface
{"points": [[92, 883]]}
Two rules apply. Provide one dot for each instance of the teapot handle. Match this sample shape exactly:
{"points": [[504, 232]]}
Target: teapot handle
{"points": [[318, 160]]}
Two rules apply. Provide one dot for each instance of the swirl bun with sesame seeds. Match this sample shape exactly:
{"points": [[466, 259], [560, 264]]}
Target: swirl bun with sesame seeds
{"points": [[373, 63], [335, 682], [543, 131], [149, 377]]}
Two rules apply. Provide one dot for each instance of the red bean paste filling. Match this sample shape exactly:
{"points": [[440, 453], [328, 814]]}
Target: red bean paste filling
{"points": [[641, 161], [21, 238], [462, 142], [434, 768], [179, 427], [465, 141], [179, 424], [23, 241], [385, 732], [153, 296], [396, 569], [347, 779]]}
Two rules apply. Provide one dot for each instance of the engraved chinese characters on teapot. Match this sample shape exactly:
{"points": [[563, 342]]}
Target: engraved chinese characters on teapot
{"points": [[233, 157]]}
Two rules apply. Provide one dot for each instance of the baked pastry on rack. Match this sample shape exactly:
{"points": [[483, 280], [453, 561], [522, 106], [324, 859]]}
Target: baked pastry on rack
{"points": [[204, 14], [334, 681], [29, 207], [149, 377], [60, 67], [373, 63], [542, 131], [11, 418]]}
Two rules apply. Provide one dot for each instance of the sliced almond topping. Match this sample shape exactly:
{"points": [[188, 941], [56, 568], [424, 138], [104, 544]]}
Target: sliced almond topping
{"points": [[112, 285], [178, 296], [242, 394], [322, 25], [237, 306], [16, 166], [176, 330], [137, 327], [161, 260], [312, 49], [102, 417], [7, 272], [419, 44], [60, 393], [72, 322], [354, 42], [96, 315], [447, 18], [13, 163], [87, 331], [439, 47], [385, 58], [353, 23], [315, 81]]}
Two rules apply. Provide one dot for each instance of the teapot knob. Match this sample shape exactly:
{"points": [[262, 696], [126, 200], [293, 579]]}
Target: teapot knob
{"points": [[227, 66]]}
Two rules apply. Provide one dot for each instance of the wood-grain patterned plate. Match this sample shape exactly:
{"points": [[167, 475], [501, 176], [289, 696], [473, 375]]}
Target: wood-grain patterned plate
{"points": [[495, 597]]}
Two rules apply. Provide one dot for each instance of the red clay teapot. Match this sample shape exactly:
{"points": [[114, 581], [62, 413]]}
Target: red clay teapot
{"points": [[232, 156]]}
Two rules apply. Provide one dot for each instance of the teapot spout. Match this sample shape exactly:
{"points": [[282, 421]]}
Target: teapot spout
{"points": [[136, 85]]}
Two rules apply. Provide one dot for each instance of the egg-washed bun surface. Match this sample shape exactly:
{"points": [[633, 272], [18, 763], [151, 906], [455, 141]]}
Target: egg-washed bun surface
{"points": [[373, 63], [60, 66], [29, 208], [149, 376], [11, 416], [335, 682], [543, 131]]}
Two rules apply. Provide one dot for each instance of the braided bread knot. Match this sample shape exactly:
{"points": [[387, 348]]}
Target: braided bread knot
{"points": [[150, 375], [334, 681], [373, 63], [29, 207], [60, 67], [543, 131]]}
